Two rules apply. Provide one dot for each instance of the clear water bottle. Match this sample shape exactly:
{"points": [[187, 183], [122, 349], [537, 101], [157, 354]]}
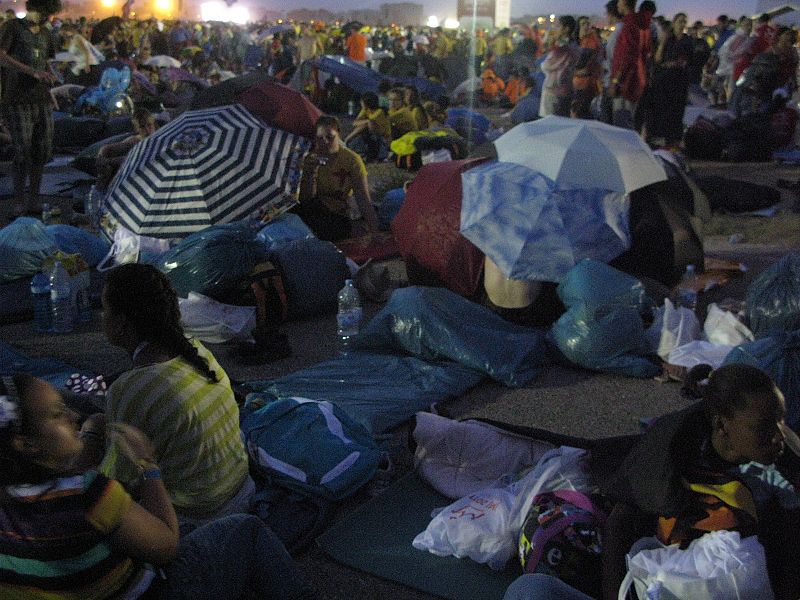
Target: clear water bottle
{"points": [[62, 307], [91, 207], [82, 301], [40, 295], [349, 316], [687, 289]]}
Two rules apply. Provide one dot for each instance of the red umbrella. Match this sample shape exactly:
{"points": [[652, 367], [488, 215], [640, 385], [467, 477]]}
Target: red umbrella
{"points": [[427, 229], [281, 107]]}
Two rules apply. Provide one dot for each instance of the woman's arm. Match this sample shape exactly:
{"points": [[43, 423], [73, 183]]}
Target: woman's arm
{"points": [[149, 529], [361, 195]]}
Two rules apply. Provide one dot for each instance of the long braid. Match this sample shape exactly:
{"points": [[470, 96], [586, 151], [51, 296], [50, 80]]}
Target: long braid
{"points": [[144, 295]]}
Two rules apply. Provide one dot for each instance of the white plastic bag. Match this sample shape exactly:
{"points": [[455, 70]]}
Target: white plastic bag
{"points": [[699, 352], [484, 526], [214, 322], [562, 468], [475, 527], [127, 246], [672, 327], [718, 566], [722, 327]]}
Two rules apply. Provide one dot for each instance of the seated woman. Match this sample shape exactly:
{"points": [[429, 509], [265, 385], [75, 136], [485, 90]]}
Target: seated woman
{"points": [[111, 156], [400, 118], [176, 393], [69, 533], [371, 130], [709, 467], [333, 177]]}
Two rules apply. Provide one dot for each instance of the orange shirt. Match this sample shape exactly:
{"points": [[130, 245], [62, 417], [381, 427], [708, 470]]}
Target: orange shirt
{"points": [[356, 46], [491, 83]]}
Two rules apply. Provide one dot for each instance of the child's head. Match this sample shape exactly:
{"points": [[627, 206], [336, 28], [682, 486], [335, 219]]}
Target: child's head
{"points": [[369, 100], [38, 433], [746, 411]]}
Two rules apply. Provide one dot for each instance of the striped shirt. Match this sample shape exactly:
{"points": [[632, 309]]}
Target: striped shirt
{"points": [[194, 426], [52, 540]]}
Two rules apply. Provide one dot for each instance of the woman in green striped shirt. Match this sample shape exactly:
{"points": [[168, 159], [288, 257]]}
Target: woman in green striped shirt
{"points": [[178, 395]]}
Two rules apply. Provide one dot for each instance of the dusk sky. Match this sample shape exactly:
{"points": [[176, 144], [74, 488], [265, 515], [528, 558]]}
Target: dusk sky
{"points": [[696, 9]]}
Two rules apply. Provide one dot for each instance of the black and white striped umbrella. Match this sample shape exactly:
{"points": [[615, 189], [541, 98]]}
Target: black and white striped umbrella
{"points": [[204, 168]]}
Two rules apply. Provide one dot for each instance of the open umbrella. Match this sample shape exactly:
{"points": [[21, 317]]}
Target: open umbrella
{"points": [[162, 61], [579, 153], [144, 82], [175, 74], [205, 167], [532, 230], [426, 228], [282, 107], [227, 91]]}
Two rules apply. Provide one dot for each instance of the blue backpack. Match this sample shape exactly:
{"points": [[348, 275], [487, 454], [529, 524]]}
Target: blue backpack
{"points": [[310, 446]]}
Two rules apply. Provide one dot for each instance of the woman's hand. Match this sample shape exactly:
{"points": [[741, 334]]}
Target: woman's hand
{"points": [[132, 443]]}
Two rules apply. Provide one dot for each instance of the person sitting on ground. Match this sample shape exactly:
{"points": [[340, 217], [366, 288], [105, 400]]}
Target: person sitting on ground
{"points": [[708, 467], [414, 104], [515, 87], [178, 395], [491, 84], [400, 118], [111, 156], [333, 178], [74, 533], [371, 130]]}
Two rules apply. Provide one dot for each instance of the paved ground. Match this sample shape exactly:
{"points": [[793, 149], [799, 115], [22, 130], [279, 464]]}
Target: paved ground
{"points": [[569, 401]]}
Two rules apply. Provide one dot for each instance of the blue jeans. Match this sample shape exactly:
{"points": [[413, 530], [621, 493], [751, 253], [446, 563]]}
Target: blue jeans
{"points": [[536, 586], [228, 559]]}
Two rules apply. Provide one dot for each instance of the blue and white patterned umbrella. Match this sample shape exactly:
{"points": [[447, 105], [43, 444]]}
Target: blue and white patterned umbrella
{"points": [[532, 230], [204, 168]]}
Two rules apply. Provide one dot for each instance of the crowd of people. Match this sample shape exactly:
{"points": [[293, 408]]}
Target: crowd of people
{"points": [[149, 498], [634, 71]]}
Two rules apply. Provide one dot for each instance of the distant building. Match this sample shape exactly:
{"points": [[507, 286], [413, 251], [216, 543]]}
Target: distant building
{"points": [[401, 13], [790, 18]]}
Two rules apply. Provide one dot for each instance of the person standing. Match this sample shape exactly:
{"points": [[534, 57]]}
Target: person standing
{"points": [[25, 101], [670, 86], [356, 45], [558, 67], [628, 64]]}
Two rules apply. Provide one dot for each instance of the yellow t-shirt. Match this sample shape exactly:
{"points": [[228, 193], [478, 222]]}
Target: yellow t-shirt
{"points": [[402, 121], [377, 116], [336, 180]]}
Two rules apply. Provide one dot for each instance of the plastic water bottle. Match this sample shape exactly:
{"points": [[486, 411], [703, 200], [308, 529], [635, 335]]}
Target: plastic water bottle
{"points": [[40, 294], [349, 316], [82, 302], [687, 291], [91, 207], [63, 310]]}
